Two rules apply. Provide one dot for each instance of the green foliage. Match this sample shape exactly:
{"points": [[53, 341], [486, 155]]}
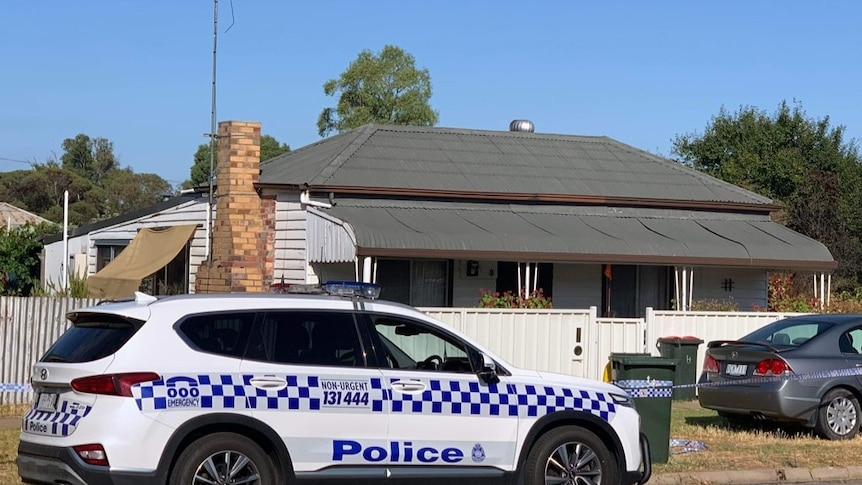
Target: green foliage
{"points": [[98, 189], [536, 299], [91, 158], [709, 305], [77, 288], [19, 258], [802, 163], [384, 88], [200, 171]]}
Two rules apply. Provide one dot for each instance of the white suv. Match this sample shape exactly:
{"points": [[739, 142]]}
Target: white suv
{"points": [[271, 389]]}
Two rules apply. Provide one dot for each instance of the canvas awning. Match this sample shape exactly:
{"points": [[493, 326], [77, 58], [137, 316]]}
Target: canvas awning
{"points": [[619, 235], [149, 251]]}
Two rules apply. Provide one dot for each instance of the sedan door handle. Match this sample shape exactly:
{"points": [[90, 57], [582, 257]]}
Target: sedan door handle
{"points": [[268, 383], [409, 387]]}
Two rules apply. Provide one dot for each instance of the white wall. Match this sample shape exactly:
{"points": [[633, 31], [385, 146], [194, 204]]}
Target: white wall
{"points": [[323, 272], [52, 259], [750, 286], [577, 285], [291, 260], [466, 289]]}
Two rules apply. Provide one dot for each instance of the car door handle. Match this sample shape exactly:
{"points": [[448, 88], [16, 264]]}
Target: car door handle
{"points": [[408, 386], [268, 383]]}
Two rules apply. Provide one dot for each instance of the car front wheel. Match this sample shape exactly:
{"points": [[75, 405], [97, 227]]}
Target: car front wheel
{"points": [[838, 416], [570, 455], [222, 459]]}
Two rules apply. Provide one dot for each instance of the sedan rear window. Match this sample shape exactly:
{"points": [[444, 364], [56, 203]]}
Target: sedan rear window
{"points": [[788, 333], [91, 339]]}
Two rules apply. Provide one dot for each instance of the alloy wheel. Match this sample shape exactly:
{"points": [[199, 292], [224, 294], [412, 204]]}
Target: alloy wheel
{"points": [[573, 463], [227, 468]]}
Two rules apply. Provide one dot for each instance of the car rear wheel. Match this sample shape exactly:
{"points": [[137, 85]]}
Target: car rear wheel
{"points": [[838, 416], [570, 455], [222, 459]]}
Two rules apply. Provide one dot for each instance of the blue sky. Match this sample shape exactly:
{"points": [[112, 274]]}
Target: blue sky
{"points": [[139, 72]]}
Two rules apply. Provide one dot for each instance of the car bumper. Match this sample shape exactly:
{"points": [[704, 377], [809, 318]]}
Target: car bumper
{"points": [[783, 401], [643, 475], [42, 464]]}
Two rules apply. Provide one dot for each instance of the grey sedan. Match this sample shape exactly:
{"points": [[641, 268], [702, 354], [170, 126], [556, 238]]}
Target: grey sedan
{"points": [[801, 369]]}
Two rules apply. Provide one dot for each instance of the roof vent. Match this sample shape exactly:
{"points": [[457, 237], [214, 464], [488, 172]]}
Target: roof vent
{"points": [[522, 125]]}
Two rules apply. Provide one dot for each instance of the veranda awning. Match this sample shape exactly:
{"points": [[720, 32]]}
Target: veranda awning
{"points": [[149, 251]]}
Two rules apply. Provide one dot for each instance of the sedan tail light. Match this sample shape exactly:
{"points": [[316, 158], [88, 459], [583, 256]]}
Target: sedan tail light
{"points": [[710, 365], [113, 384], [772, 367]]}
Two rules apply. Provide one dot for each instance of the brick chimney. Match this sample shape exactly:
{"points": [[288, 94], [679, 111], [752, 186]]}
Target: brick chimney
{"points": [[243, 230]]}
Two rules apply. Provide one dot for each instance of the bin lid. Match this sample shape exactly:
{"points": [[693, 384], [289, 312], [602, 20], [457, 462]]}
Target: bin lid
{"points": [[643, 360], [688, 339]]}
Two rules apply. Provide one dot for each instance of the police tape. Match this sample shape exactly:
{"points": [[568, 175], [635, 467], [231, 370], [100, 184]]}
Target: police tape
{"points": [[663, 388]]}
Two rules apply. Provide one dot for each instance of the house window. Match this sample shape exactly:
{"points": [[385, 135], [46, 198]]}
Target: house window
{"points": [[107, 251], [173, 279], [415, 282]]}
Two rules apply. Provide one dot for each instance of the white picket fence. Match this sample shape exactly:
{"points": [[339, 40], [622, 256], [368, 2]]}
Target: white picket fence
{"points": [[574, 342]]}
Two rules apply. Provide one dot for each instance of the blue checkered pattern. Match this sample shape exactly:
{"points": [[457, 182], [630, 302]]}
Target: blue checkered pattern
{"points": [[647, 388], [58, 423], [451, 397], [223, 391], [472, 399], [15, 387]]}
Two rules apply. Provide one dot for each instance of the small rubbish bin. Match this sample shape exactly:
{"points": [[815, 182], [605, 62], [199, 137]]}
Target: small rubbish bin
{"points": [[684, 350], [649, 381]]}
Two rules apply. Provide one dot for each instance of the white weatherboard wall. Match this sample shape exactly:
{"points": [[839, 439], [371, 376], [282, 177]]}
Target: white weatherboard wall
{"points": [[291, 260], [577, 285], [749, 286], [466, 290]]}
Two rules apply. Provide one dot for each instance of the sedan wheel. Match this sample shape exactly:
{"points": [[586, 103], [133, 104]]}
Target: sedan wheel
{"points": [[838, 417]]}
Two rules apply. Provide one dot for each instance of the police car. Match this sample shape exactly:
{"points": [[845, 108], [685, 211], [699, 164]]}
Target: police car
{"points": [[271, 389]]}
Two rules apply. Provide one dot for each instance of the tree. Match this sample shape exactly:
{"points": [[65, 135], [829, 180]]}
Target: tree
{"points": [[384, 88], [802, 163], [97, 187], [200, 171], [91, 158]]}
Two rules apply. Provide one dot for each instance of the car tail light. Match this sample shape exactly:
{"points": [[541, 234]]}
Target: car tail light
{"points": [[113, 384], [92, 454], [772, 367], [710, 365]]}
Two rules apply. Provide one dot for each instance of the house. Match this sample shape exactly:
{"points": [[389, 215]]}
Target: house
{"points": [[436, 215], [12, 217]]}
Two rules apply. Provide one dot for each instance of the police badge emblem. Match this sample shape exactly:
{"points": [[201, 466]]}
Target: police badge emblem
{"points": [[478, 454]]}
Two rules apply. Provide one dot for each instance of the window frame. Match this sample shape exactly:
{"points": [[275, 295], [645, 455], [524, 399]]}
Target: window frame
{"points": [[473, 354], [243, 337]]}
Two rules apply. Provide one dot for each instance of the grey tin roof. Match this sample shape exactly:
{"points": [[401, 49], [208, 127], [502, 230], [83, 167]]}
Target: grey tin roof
{"points": [[428, 158], [568, 233]]}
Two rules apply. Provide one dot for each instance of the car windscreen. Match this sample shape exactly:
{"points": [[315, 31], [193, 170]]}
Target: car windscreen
{"points": [[788, 333], [91, 338]]}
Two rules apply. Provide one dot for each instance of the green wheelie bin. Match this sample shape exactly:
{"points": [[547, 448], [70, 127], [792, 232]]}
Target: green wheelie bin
{"points": [[684, 350], [649, 381]]}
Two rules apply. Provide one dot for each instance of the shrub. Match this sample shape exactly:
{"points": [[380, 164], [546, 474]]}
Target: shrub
{"points": [[508, 299]]}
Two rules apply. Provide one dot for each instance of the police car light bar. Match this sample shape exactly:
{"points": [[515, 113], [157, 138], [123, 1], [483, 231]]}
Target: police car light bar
{"points": [[352, 288]]}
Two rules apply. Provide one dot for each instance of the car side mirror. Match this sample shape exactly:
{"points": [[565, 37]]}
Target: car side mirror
{"points": [[488, 369]]}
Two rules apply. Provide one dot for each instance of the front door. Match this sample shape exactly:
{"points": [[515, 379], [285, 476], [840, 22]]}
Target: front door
{"points": [[311, 384], [442, 414]]}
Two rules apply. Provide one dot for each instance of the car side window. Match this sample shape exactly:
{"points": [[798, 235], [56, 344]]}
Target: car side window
{"points": [[219, 333], [851, 342], [411, 345], [308, 338]]}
